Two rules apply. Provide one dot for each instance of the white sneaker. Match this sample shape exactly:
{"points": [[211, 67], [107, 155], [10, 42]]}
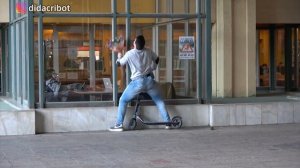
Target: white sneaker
{"points": [[116, 128], [168, 127]]}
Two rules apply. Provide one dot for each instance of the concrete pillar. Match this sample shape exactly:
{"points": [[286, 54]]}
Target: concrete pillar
{"points": [[233, 49], [223, 28], [4, 11], [244, 55]]}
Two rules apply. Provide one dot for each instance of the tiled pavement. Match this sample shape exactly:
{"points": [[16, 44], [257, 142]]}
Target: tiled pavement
{"points": [[262, 146]]}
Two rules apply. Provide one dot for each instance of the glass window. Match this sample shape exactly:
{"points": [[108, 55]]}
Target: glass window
{"points": [[163, 6], [36, 60], [12, 12], [121, 6], [184, 6], [78, 64], [121, 71], [1, 51], [148, 6], [264, 58], [184, 70], [280, 57], [298, 55], [177, 76], [162, 51]]}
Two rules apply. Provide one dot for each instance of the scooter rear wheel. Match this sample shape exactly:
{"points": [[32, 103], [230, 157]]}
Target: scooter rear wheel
{"points": [[132, 124], [176, 122]]}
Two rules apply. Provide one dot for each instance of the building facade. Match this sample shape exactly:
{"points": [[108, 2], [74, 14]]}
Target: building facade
{"points": [[255, 47], [208, 49]]}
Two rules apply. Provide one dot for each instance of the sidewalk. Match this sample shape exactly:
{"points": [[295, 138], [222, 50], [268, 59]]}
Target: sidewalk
{"points": [[263, 146]]}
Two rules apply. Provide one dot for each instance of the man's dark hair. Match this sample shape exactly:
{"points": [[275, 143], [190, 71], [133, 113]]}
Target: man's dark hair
{"points": [[140, 42]]}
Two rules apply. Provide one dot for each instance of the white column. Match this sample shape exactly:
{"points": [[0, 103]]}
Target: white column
{"points": [[4, 11], [222, 49], [244, 51]]}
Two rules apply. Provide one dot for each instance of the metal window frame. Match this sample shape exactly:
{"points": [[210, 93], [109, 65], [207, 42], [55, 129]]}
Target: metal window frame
{"points": [[203, 72]]}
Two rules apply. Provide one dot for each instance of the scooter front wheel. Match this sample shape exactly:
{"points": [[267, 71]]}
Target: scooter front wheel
{"points": [[132, 124], [176, 122]]}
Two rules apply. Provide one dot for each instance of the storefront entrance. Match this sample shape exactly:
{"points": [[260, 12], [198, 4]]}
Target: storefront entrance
{"points": [[278, 58]]}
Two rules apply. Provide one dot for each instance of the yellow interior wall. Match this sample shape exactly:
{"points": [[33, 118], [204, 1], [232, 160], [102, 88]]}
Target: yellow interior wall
{"points": [[264, 42]]}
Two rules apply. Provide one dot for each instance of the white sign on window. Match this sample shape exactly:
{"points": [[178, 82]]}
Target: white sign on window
{"points": [[186, 47]]}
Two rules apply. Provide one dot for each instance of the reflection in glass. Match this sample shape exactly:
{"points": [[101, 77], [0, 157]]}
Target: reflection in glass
{"points": [[280, 57], [164, 6], [184, 70], [264, 58], [176, 76], [76, 60]]}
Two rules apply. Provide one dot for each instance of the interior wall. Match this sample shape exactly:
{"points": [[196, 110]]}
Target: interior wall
{"points": [[278, 11]]}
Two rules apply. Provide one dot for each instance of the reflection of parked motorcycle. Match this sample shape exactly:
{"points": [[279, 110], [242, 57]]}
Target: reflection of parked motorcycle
{"points": [[57, 92], [53, 84], [54, 90]]}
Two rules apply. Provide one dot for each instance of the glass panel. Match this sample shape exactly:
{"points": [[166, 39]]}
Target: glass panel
{"points": [[77, 62], [36, 60], [121, 71], [184, 70], [1, 51], [18, 59], [295, 59], [280, 57], [12, 12], [77, 6], [162, 51], [184, 6], [143, 26], [12, 68], [264, 58], [148, 6], [6, 61], [25, 60], [298, 56], [163, 6], [180, 81], [121, 6]]}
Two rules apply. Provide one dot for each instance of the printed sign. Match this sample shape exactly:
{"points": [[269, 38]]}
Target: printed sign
{"points": [[186, 47]]}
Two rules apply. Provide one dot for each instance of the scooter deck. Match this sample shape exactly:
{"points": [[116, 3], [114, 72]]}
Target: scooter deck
{"points": [[156, 123]]}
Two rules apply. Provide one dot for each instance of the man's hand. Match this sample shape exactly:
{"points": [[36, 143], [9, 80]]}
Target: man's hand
{"points": [[119, 55]]}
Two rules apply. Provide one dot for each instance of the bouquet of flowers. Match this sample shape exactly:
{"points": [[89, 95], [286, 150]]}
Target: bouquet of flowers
{"points": [[117, 44]]}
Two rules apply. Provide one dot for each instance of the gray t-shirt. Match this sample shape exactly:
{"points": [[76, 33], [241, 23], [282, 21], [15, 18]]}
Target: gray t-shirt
{"points": [[141, 62]]}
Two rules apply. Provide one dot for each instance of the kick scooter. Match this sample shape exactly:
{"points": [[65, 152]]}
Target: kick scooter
{"points": [[176, 121]]}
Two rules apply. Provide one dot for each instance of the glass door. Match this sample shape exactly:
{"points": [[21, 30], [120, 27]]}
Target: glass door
{"points": [[174, 69], [263, 58], [278, 58], [295, 50], [1, 53]]}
